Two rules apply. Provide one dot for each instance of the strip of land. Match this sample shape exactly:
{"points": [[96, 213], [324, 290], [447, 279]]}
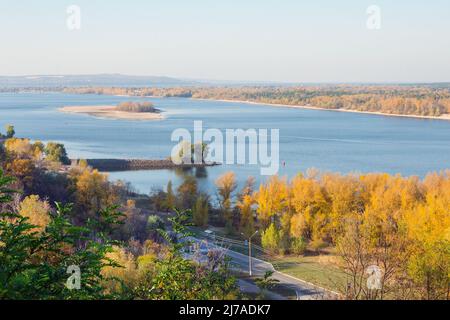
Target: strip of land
{"points": [[441, 117], [421, 101], [111, 112], [110, 165]]}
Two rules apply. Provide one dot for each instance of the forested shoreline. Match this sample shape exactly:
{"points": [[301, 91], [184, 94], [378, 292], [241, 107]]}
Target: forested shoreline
{"points": [[418, 100]]}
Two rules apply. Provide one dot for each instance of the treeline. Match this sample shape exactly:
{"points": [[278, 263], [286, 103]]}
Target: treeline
{"points": [[401, 225], [403, 100], [131, 106], [58, 222]]}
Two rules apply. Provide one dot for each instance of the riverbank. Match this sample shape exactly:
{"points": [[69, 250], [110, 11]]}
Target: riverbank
{"points": [[111, 165], [443, 117], [111, 112]]}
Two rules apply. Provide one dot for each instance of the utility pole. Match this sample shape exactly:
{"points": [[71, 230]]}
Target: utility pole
{"points": [[250, 272]]}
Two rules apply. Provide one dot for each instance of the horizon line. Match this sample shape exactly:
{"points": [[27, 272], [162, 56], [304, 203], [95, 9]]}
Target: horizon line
{"points": [[179, 78]]}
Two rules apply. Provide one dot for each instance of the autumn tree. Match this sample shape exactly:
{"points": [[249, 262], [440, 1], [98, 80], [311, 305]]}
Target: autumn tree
{"points": [[37, 211], [226, 185], [93, 192], [23, 170], [187, 193], [21, 148], [122, 276], [248, 188], [246, 215], [272, 201]]}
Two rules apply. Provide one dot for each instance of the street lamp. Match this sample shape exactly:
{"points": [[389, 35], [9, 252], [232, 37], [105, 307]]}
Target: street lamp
{"points": [[250, 253]]}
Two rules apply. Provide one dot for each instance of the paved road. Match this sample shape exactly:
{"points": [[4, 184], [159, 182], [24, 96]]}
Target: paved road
{"points": [[304, 290]]}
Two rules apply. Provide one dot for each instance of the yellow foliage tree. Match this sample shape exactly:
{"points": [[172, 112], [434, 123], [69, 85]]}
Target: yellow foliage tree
{"points": [[36, 211], [93, 191], [272, 199], [226, 185]]}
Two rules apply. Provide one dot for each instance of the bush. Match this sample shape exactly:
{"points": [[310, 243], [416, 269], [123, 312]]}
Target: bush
{"points": [[298, 246]]}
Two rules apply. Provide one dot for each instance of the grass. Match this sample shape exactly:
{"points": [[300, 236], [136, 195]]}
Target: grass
{"points": [[315, 269]]}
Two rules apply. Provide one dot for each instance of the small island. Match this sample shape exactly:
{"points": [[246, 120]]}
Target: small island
{"points": [[124, 110]]}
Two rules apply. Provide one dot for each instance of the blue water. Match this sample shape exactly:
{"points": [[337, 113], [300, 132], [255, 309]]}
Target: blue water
{"points": [[326, 140]]}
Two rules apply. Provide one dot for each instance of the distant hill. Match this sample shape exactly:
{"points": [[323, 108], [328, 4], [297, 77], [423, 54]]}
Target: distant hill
{"points": [[88, 80]]}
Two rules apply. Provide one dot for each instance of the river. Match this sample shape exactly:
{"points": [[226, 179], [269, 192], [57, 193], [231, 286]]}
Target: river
{"points": [[326, 140]]}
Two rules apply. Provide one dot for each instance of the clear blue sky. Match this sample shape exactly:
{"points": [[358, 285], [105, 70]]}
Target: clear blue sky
{"points": [[263, 40]]}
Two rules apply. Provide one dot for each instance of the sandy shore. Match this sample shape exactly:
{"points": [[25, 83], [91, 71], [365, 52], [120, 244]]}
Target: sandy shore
{"points": [[442, 117], [111, 112]]}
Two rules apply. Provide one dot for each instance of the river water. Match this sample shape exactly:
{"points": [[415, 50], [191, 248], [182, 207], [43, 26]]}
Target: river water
{"points": [[326, 140]]}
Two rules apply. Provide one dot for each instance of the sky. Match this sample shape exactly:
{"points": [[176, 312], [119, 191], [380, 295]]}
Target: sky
{"points": [[243, 40]]}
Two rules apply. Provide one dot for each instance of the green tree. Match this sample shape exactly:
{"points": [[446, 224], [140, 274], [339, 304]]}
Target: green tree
{"points": [[298, 245], [270, 239], [10, 132], [170, 197], [200, 211], [56, 152]]}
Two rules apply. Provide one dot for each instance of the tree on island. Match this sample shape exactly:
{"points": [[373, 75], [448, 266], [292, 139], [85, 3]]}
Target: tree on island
{"points": [[192, 153], [136, 107]]}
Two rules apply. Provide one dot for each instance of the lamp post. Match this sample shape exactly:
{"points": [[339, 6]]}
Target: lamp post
{"points": [[250, 253]]}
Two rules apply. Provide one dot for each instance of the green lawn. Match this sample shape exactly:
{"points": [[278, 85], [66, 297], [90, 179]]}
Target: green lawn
{"points": [[310, 269]]}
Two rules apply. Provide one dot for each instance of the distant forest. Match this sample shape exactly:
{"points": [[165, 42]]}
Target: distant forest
{"points": [[419, 100]]}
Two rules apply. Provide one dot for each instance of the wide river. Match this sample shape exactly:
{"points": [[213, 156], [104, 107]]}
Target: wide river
{"points": [[326, 140]]}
